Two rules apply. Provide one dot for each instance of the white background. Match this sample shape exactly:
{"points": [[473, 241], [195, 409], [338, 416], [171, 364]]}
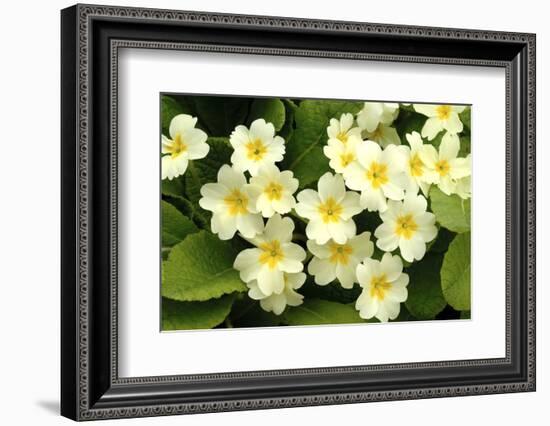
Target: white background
{"points": [[146, 352], [29, 229]]}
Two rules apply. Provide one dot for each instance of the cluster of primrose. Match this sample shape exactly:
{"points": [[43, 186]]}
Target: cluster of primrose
{"points": [[372, 171]]}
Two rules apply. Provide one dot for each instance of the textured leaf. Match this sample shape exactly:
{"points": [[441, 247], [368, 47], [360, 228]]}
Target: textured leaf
{"points": [[271, 110], [175, 226], [220, 114], [455, 273], [451, 211], [201, 268], [317, 312], [465, 117], [404, 315], [465, 145], [200, 217], [195, 315], [332, 292], [425, 298], [206, 169], [465, 315], [407, 122], [174, 187], [288, 128], [442, 241], [304, 152], [248, 313]]}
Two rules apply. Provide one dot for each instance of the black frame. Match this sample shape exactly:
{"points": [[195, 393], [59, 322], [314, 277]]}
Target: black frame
{"points": [[91, 37]]}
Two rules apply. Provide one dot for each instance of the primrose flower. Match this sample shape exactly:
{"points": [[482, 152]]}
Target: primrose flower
{"points": [[185, 143], [329, 210], [273, 255], [440, 117], [407, 225], [415, 169], [342, 129], [384, 288], [378, 174], [443, 167], [384, 135], [229, 202], [272, 190], [341, 154], [463, 187], [375, 113], [339, 261], [277, 303], [255, 147]]}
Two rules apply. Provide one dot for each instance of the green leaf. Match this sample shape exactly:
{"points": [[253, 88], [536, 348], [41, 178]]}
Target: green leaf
{"points": [[442, 241], [271, 110], [248, 313], [317, 312], [407, 122], [206, 169], [465, 145], [288, 128], [466, 117], [455, 273], [193, 211], [451, 211], [175, 226], [221, 114], [174, 187], [425, 298], [332, 292], [201, 268], [465, 315], [195, 315], [304, 152], [169, 108], [404, 315]]}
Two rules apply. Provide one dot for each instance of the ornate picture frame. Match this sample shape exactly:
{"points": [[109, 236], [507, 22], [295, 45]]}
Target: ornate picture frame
{"points": [[91, 38]]}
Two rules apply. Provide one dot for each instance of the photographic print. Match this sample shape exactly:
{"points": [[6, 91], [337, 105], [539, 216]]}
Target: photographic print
{"points": [[294, 212]]}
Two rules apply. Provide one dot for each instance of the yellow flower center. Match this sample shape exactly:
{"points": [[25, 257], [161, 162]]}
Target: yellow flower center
{"points": [[255, 150], [330, 210], [271, 254], [443, 112], [377, 174], [273, 191], [406, 226], [377, 134], [416, 166], [442, 167], [379, 286], [339, 253], [236, 202], [346, 159], [342, 136], [178, 146]]}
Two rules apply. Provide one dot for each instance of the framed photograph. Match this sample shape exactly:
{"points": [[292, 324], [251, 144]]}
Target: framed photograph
{"points": [[263, 212]]}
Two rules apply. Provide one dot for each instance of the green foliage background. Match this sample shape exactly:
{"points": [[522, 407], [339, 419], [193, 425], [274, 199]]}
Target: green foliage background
{"points": [[200, 288]]}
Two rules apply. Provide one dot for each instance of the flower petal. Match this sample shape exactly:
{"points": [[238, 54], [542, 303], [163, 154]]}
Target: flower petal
{"points": [[346, 275], [180, 123], [412, 249], [331, 186], [453, 123], [449, 147], [392, 266], [270, 280], [323, 271], [431, 128]]}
